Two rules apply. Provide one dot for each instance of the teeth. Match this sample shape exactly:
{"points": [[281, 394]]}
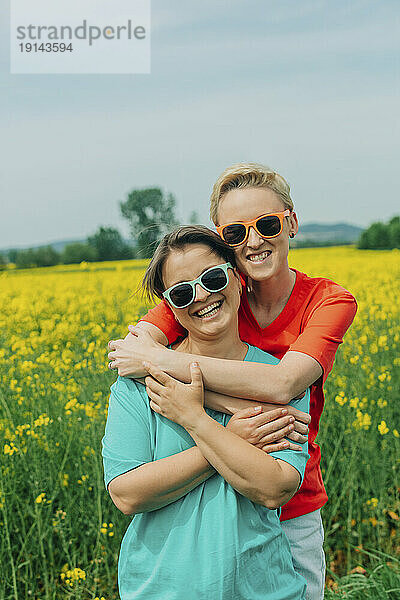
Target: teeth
{"points": [[259, 257], [209, 310]]}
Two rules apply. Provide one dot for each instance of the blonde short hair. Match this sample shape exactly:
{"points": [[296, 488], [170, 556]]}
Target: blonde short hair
{"points": [[245, 175]]}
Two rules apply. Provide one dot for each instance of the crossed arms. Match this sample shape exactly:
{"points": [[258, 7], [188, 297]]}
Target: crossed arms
{"points": [[249, 470]]}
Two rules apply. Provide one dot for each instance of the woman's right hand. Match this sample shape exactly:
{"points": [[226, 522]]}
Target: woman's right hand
{"points": [[266, 427]]}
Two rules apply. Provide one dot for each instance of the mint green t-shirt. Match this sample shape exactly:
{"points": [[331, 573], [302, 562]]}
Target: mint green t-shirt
{"points": [[211, 544]]}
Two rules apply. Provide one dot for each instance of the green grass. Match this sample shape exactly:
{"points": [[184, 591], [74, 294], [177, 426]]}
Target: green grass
{"points": [[53, 335]]}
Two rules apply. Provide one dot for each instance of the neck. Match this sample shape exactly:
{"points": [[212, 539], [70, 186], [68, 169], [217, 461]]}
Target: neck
{"points": [[273, 291], [228, 345]]}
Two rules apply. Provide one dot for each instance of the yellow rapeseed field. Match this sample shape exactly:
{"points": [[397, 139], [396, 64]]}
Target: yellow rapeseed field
{"points": [[59, 532]]}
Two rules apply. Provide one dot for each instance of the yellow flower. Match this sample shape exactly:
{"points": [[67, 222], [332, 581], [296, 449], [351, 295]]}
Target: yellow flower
{"points": [[383, 428], [71, 576], [41, 498], [104, 529], [341, 400], [10, 449], [373, 502], [395, 433], [354, 402]]}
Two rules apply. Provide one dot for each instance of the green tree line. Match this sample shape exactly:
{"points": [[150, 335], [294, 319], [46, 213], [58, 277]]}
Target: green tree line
{"points": [[106, 244], [150, 214], [381, 236]]}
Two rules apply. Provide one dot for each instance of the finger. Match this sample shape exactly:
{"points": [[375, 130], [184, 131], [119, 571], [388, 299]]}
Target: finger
{"points": [[153, 385], [270, 415], [276, 435], [195, 374], [294, 447], [112, 344], [296, 437], [157, 373], [301, 428], [154, 396], [134, 331], [299, 415], [276, 425], [112, 355], [284, 445], [155, 407], [111, 365], [246, 413]]}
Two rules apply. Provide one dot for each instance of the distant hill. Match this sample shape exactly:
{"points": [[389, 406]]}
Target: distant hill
{"points": [[309, 233], [58, 246], [319, 233]]}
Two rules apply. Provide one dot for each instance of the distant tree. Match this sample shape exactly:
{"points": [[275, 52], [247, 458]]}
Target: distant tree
{"points": [[394, 232], [109, 244], [375, 237], [12, 255], [46, 257], [25, 259], [151, 214], [3, 264], [77, 252], [194, 218], [363, 242]]}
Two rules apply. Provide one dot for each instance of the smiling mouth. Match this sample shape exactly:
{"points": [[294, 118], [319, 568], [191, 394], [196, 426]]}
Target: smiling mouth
{"points": [[257, 258], [208, 312]]}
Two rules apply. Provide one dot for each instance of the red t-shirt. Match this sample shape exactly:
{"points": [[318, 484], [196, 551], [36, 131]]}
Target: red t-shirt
{"points": [[314, 320]]}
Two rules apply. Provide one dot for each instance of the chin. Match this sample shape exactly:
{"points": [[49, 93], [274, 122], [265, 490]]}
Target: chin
{"points": [[265, 270], [217, 326], [258, 272]]}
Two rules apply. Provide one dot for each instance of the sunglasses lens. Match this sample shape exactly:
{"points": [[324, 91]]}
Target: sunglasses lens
{"points": [[214, 280], [181, 295], [234, 234], [269, 226]]}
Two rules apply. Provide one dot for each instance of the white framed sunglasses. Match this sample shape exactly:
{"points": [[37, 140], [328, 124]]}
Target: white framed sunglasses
{"points": [[214, 279]]}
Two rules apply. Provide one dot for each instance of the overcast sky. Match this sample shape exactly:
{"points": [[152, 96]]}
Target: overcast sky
{"points": [[310, 88]]}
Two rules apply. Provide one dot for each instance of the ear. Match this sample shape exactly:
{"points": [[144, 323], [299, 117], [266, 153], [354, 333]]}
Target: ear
{"points": [[293, 223]]}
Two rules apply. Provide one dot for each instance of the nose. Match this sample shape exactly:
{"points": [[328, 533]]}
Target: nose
{"points": [[201, 294], [254, 240]]}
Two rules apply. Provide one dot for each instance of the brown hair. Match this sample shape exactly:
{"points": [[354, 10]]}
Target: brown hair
{"points": [[244, 175], [153, 284]]}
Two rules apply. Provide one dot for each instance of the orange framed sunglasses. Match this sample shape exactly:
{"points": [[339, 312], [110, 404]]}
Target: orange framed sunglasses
{"points": [[266, 226]]}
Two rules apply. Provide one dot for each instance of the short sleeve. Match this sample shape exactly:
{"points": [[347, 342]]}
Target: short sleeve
{"points": [[325, 327], [127, 442], [297, 458], [162, 317]]}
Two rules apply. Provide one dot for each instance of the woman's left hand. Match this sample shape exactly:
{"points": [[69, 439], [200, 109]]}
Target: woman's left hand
{"points": [[127, 355], [180, 402]]}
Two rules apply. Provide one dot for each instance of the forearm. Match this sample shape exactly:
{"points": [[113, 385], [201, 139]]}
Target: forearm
{"points": [[225, 404], [229, 404], [254, 381], [156, 484], [156, 333], [246, 468]]}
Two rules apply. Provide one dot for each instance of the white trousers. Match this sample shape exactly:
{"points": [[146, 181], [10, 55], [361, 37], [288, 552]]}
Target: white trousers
{"points": [[306, 537]]}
